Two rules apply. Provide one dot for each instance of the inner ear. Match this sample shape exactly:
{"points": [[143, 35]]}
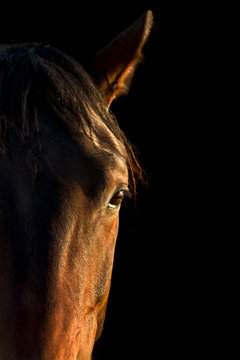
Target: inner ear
{"points": [[116, 63]]}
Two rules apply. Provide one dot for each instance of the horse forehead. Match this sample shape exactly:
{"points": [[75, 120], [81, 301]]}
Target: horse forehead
{"points": [[114, 154], [111, 149], [110, 140]]}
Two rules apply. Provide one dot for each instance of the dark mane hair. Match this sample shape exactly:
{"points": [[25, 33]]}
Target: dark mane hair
{"points": [[36, 77]]}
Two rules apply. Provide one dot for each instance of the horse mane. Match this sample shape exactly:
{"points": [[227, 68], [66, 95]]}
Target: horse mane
{"points": [[37, 78]]}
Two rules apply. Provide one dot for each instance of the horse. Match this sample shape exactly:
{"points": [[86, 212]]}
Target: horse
{"points": [[65, 168]]}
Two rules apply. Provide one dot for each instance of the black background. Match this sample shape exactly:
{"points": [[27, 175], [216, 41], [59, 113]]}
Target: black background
{"points": [[161, 304]]}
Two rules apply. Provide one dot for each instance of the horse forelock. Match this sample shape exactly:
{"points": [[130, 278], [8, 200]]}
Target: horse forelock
{"points": [[37, 79]]}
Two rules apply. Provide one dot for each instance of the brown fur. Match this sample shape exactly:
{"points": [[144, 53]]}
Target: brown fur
{"points": [[57, 230]]}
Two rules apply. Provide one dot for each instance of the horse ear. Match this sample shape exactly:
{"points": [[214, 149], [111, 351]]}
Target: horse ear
{"points": [[116, 63]]}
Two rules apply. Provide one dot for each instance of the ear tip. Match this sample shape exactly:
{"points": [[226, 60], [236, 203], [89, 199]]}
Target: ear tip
{"points": [[149, 17], [147, 20]]}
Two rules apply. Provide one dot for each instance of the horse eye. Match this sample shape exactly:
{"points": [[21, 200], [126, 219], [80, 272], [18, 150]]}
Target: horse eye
{"points": [[117, 199]]}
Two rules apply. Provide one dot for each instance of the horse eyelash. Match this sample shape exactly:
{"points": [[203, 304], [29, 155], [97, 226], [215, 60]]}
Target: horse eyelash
{"points": [[127, 193]]}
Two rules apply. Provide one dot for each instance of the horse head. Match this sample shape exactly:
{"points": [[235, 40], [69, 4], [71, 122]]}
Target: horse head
{"points": [[65, 168]]}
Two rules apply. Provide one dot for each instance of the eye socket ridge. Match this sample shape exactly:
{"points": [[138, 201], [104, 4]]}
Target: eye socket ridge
{"points": [[118, 198]]}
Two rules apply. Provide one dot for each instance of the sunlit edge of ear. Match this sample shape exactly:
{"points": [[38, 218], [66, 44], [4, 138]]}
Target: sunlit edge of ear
{"points": [[115, 65]]}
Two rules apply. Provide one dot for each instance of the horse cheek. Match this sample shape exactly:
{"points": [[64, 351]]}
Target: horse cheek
{"points": [[6, 280], [109, 236], [109, 231]]}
